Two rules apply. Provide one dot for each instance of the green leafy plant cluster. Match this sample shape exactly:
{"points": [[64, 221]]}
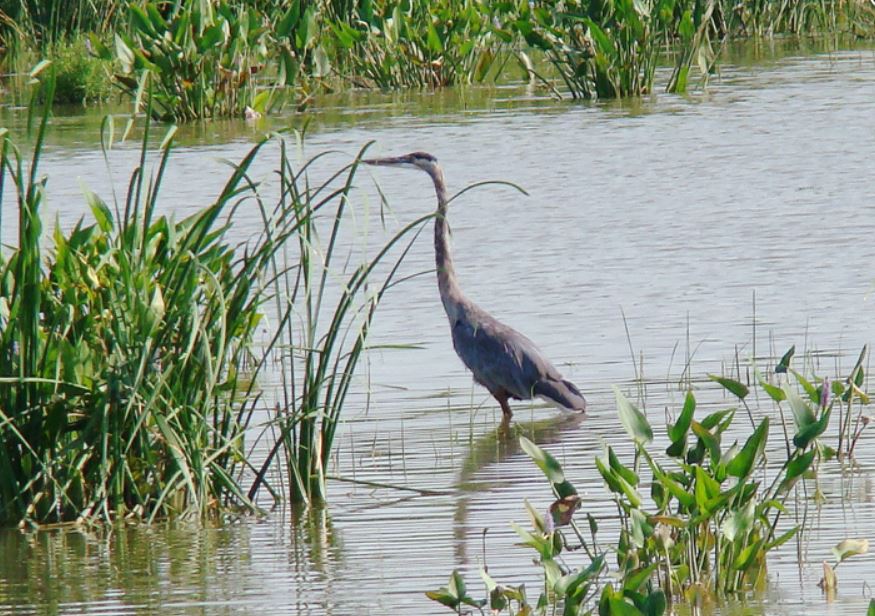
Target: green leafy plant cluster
{"points": [[611, 49], [708, 520], [128, 377], [418, 44], [200, 59]]}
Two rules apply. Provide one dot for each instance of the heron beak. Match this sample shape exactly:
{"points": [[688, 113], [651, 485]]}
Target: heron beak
{"points": [[392, 160]]}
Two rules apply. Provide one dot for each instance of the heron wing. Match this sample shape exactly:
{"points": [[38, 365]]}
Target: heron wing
{"points": [[500, 357]]}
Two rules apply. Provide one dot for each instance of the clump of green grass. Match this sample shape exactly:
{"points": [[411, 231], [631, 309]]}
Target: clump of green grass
{"points": [[80, 77], [125, 349]]}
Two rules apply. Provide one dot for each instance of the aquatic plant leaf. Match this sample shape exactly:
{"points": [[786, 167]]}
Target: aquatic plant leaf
{"points": [[709, 440], [748, 556], [654, 604], [620, 607], [641, 528], [633, 420], [736, 388], [784, 538], [785, 360], [829, 581], [546, 462], [774, 392], [562, 510], [541, 545], [678, 491], [850, 547], [810, 389], [745, 460], [804, 437], [634, 581], [535, 516], [737, 524], [626, 473], [457, 584], [716, 418], [678, 431], [568, 584], [802, 411], [443, 597], [871, 610], [706, 488], [796, 467], [608, 475]]}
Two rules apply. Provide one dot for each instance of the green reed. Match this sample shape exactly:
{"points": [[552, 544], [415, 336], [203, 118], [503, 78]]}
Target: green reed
{"points": [[125, 349], [326, 299]]}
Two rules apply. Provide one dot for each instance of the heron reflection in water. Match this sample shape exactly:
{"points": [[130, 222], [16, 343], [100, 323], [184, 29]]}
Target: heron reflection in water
{"points": [[502, 360]]}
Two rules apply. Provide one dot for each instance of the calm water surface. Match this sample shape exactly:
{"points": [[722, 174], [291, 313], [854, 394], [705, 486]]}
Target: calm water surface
{"points": [[723, 225]]}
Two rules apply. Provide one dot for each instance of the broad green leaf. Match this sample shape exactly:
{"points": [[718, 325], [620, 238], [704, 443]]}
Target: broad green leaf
{"points": [[608, 475], [802, 411], [748, 556], [734, 387], [633, 420], [775, 393], [678, 491], [797, 466], [680, 428], [739, 522], [626, 473], [782, 539], [785, 360], [804, 436], [745, 460], [709, 440], [547, 463], [634, 581], [434, 41]]}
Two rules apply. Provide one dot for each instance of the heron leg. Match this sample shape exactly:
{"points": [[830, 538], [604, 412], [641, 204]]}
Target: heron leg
{"points": [[505, 407]]}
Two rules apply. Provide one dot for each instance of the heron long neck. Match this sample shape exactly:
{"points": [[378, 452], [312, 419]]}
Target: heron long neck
{"points": [[451, 293]]}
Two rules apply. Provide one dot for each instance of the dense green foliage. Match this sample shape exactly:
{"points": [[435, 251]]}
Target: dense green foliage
{"points": [[711, 516], [127, 374], [207, 58]]}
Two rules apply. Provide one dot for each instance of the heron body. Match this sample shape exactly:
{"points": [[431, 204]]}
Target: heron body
{"points": [[504, 361]]}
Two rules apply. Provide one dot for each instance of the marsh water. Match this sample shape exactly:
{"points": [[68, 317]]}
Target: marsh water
{"points": [[661, 241]]}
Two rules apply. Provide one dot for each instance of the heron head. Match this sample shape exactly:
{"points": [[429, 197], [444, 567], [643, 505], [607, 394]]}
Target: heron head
{"points": [[414, 160]]}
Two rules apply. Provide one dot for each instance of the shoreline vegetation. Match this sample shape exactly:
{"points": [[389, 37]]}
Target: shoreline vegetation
{"points": [[242, 58]]}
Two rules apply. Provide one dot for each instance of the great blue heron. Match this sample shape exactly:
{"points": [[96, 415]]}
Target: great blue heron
{"points": [[501, 359]]}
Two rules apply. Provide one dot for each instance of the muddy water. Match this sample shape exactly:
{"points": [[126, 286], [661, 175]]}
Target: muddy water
{"points": [[661, 240]]}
